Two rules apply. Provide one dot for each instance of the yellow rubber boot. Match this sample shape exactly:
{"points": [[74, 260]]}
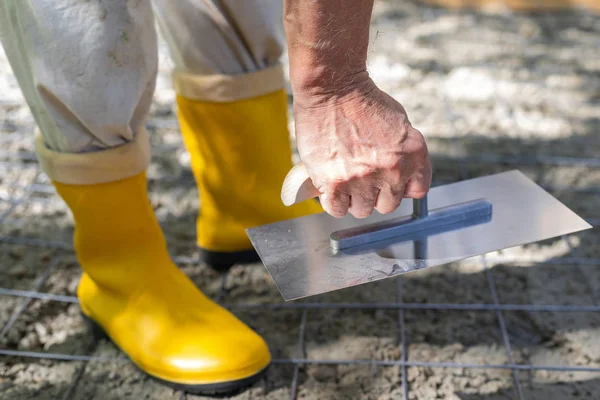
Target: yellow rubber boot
{"points": [[240, 154], [149, 308]]}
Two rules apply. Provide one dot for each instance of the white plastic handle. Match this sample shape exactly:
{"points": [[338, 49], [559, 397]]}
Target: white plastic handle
{"points": [[297, 186]]}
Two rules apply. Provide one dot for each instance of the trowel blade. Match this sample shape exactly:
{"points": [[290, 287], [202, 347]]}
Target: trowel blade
{"points": [[298, 255]]}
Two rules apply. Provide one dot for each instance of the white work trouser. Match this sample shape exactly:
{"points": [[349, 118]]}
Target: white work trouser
{"points": [[87, 69]]}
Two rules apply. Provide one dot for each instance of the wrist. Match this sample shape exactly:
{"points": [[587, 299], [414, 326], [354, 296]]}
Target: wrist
{"points": [[317, 88], [327, 45]]}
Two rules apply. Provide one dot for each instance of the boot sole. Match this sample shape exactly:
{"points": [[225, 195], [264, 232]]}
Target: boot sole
{"points": [[220, 389], [223, 261]]}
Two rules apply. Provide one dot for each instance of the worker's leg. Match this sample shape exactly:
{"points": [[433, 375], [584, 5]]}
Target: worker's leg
{"points": [[87, 70], [232, 109]]}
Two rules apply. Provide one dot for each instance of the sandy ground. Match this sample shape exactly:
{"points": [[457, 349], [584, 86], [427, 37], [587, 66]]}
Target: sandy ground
{"points": [[474, 84]]}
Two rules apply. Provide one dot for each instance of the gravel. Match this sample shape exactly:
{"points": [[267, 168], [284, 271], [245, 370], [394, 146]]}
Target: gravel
{"points": [[518, 85]]}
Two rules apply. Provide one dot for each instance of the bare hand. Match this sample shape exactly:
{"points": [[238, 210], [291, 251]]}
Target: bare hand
{"points": [[361, 151]]}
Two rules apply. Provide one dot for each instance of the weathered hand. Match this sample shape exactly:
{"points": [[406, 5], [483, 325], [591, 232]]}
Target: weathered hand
{"points": [[361, 151]]}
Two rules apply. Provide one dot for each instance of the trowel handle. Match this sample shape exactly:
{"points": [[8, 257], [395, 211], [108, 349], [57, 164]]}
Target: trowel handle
{"points": [[297, 187]]}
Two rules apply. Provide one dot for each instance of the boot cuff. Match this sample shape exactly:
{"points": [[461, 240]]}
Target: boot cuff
{"points": [[228, 88], [95, 167]]}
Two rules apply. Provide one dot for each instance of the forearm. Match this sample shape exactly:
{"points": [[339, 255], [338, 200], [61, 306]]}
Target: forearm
{"points": [[327, 43]]}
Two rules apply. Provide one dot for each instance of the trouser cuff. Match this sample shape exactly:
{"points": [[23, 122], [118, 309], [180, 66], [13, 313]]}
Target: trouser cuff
{"points": [[95, 167], [228, 88]]}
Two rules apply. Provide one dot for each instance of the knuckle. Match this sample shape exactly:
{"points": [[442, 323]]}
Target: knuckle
{"points": [[421, 151], [394, 174], [335, 186], [364, 174], [418, 144], [335, 205], [392, 164], [395, 169], [396, 192], [364, 198]]}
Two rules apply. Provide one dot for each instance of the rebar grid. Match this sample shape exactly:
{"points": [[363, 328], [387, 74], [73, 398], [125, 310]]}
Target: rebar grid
{"points": [[348, 306], [77, 378], [496, 301], [15, 160], [502, 324], [302, 361], [183, 260], [14, 203], [27, 300], [582, 271], [300, 353], [402, 341]]}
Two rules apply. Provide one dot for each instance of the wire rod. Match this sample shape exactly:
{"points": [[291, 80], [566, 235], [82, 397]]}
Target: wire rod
{"points": [[359, 306], [383, 363]]}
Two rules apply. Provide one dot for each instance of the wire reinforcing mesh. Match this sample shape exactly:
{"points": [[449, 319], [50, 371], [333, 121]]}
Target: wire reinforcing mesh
{"points": [[490, 92]]}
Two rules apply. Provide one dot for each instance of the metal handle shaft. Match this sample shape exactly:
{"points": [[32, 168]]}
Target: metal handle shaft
{"points": [[401, 226], [420, 208]]}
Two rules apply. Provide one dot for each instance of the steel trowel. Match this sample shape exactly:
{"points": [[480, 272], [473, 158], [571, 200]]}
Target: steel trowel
{"points": [[318, 253]]}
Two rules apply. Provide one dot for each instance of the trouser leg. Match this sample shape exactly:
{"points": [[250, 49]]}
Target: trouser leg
{"points": [[224, 50], [87, 70], [222, 37]]}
